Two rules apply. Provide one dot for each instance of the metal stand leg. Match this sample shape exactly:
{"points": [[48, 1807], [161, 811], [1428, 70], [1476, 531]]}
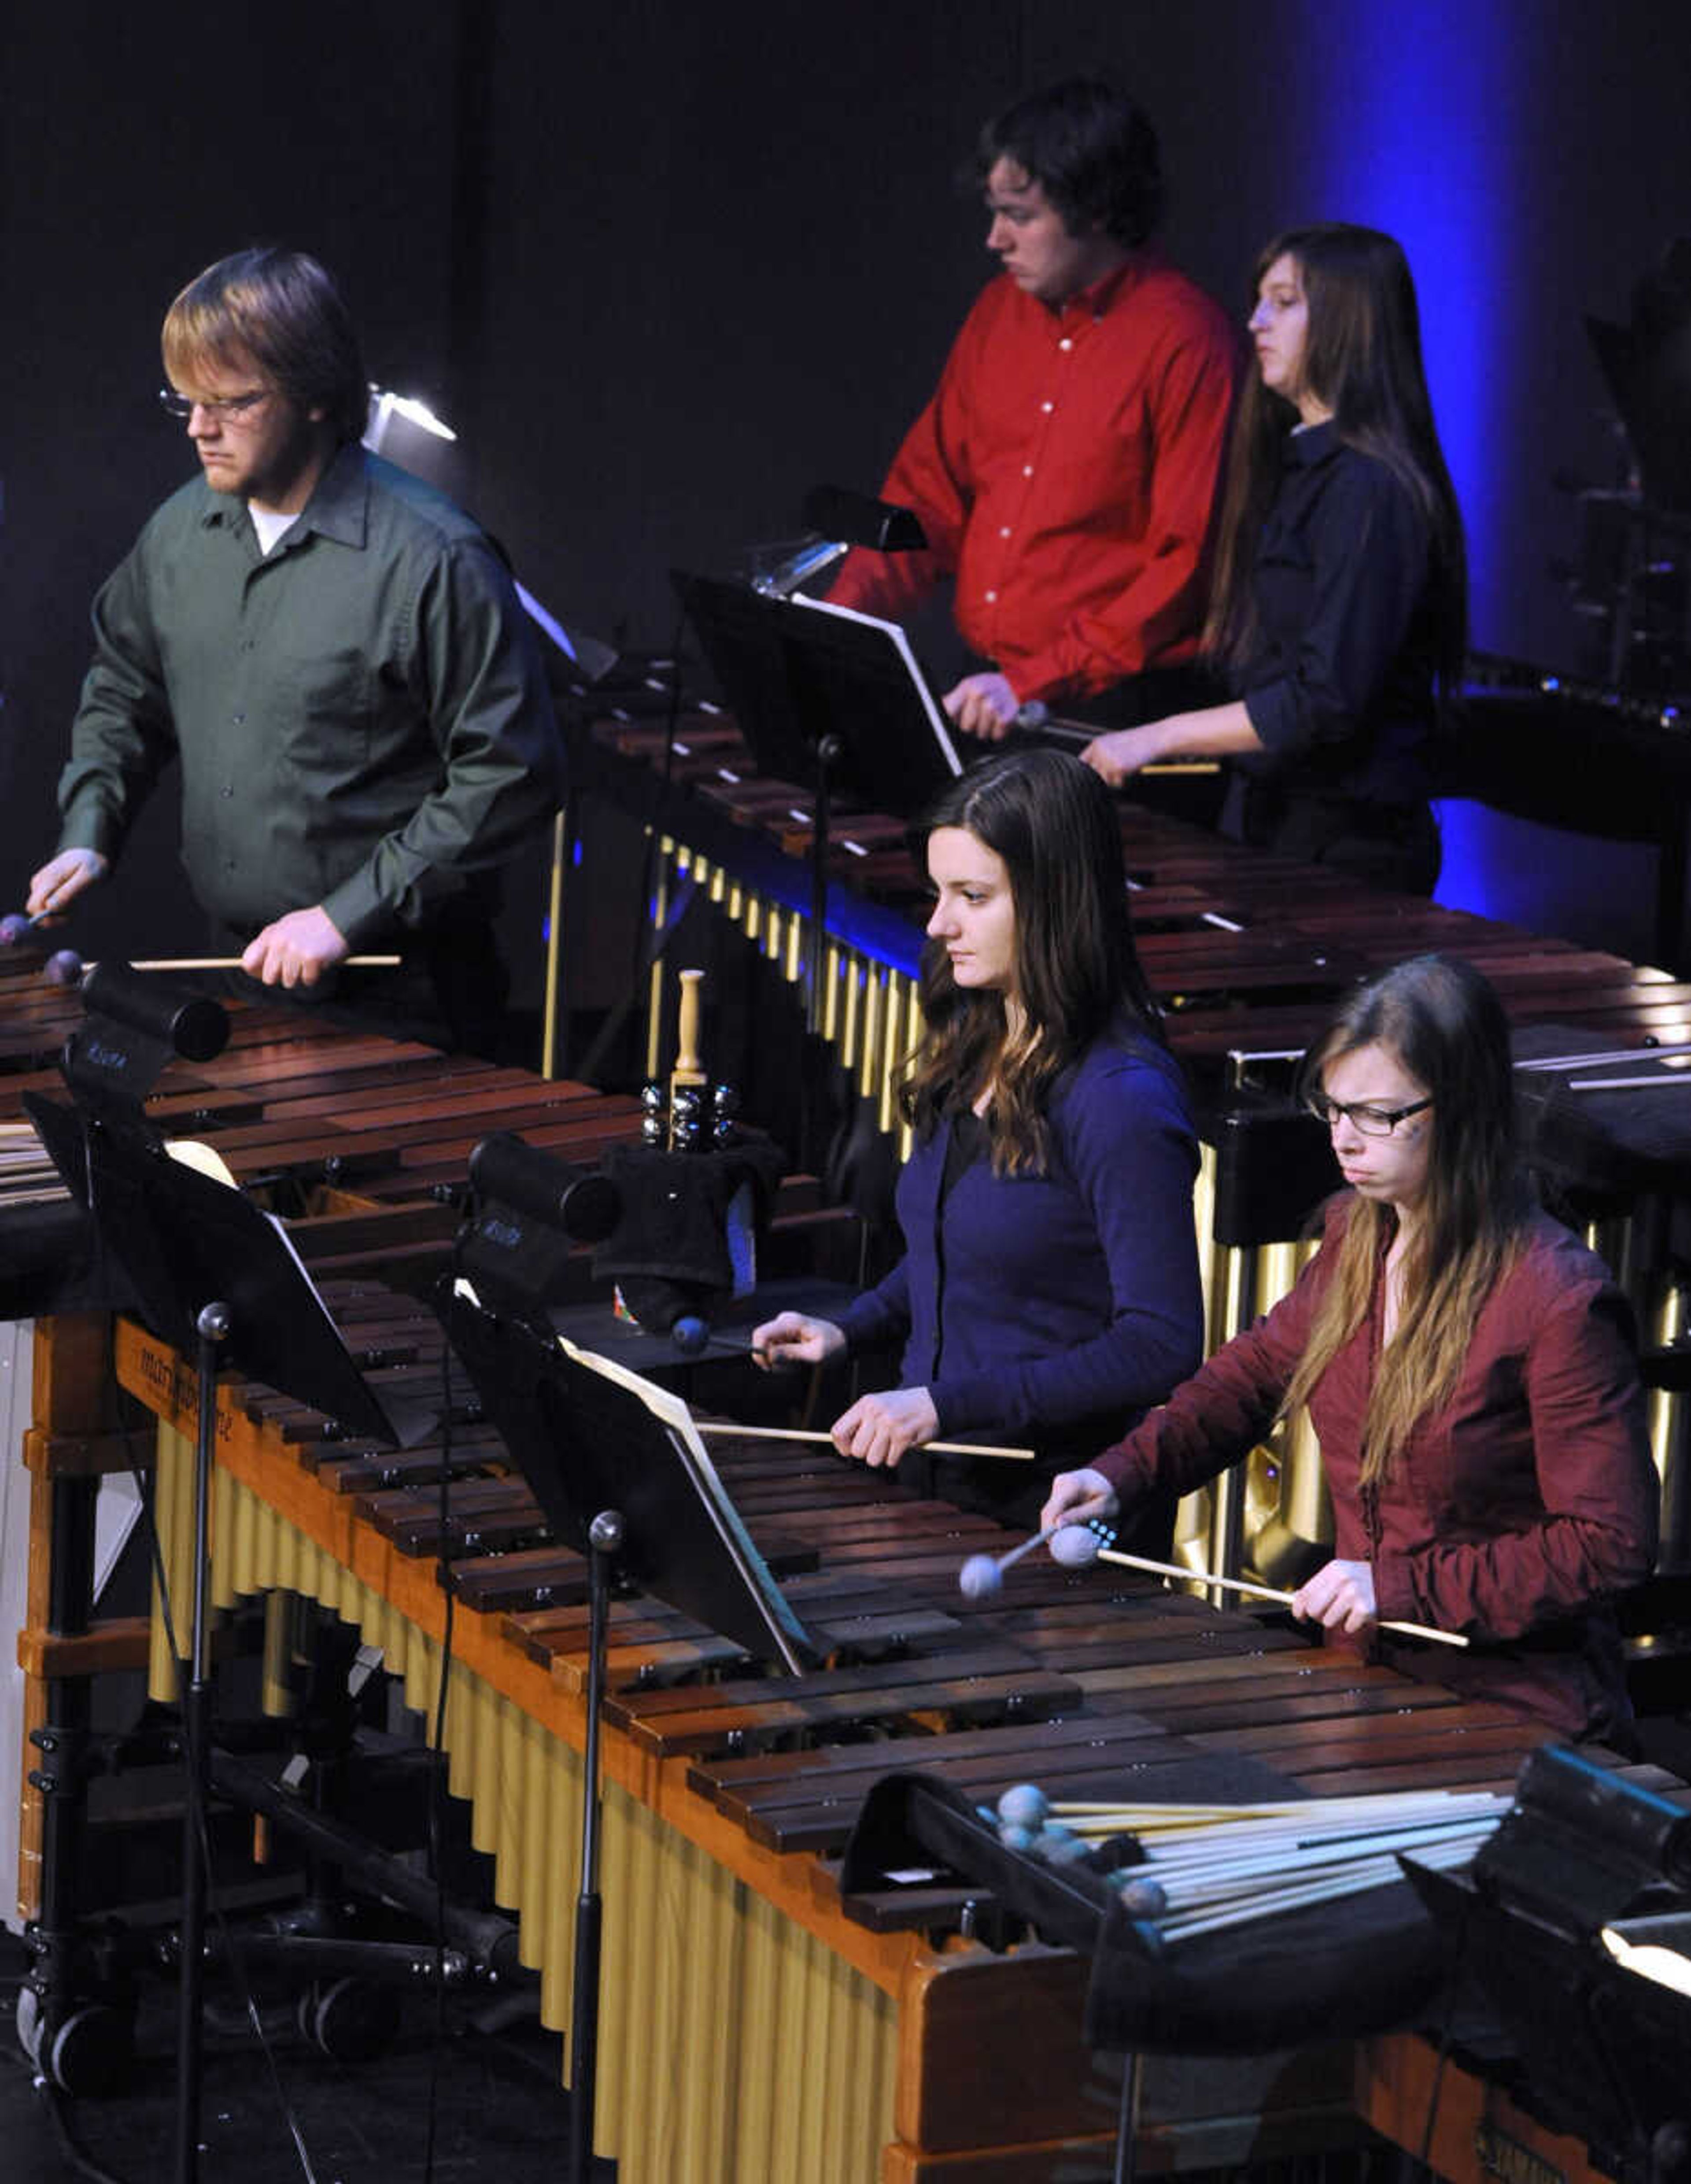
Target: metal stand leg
{"points": [[1127, 2119], [604, 1537], [213, 1328]]}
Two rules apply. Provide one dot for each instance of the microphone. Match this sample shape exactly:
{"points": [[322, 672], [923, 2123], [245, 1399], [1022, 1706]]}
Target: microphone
{"points": [[1036, 718]]}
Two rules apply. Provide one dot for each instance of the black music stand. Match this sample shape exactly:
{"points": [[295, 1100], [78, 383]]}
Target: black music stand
{"points": [[618, 1468], [1586, 1880], [828, 698], [218, 1279]]}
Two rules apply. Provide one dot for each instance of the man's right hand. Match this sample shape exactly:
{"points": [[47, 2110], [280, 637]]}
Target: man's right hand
{"points": [[983, 705], [59, 882], [793, 1339]]}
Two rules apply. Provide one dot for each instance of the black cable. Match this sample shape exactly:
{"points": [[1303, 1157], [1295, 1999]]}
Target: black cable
{"points": [[69, 2145], [1452, 1989]]}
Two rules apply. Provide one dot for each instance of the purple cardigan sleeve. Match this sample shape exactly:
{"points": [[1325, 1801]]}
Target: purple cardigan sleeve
{"points": [[881, 1316], [1126, 1145]]}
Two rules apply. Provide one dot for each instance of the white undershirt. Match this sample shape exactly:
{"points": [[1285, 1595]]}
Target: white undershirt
{"points": [[269, 524]]}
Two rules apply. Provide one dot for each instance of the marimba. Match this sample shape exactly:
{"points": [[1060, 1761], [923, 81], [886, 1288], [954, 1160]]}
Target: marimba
{"points": [[750, 2026], [1246, 952], [752, 2023]]}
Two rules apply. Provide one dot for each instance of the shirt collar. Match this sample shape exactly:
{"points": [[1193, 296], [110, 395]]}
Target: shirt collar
{"points": [[1303, 450], [338, 507], [1095, 301]]}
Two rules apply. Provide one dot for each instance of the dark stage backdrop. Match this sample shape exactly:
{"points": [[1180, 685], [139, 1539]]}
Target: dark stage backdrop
{"points": [[664, 267]]}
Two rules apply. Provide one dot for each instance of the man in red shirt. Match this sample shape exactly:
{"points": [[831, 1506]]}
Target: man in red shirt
{"points": [[1065, 468]]}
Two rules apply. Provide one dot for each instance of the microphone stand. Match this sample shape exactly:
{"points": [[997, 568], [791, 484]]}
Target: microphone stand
{"points": [[829, 752], [605, 1538], [212, 1325]]}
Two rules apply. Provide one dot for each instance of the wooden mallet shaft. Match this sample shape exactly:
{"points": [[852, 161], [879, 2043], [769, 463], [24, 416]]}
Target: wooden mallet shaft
{"points": [[814, 1434], [1261, 1592]]}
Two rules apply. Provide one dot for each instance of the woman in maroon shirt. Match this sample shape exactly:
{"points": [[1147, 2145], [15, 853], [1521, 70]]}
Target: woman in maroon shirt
{"points": [[1466, 1363]]}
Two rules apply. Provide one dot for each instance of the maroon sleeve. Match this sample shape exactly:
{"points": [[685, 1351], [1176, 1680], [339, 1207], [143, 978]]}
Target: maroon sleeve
{"points": [[1229, 1404], [1597, 1535]]}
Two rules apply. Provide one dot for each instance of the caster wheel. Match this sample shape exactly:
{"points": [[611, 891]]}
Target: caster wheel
{"points": [[29, 2023], [351, 2020], [88, 2054]]}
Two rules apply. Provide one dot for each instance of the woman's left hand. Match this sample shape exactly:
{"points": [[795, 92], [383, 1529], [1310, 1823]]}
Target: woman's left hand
{"points": [[1118, 756], [1340, 1595], [877, 1430]]}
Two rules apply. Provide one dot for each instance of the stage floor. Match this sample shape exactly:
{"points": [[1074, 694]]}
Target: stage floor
{"points": [[500, 2114]]}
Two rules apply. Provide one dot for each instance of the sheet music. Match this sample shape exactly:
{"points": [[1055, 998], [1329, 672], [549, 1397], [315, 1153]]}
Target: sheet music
{"points": [[896, 637], [27, 1174]]}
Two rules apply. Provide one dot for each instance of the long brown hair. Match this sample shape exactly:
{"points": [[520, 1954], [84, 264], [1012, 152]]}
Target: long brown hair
{"points": [[1054, 824], [1362, 360], [1443, 1022]]}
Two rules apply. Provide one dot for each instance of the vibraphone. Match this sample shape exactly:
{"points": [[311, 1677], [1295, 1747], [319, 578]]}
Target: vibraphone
{"points": [[751, 2027]]}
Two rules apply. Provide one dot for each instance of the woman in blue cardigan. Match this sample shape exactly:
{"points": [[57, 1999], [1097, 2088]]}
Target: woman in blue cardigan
{"points": [[1048, 1292]]}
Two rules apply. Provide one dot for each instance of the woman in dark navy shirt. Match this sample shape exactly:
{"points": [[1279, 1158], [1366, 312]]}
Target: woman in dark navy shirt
{"points": [[1049, 1288], [1339, 612]]}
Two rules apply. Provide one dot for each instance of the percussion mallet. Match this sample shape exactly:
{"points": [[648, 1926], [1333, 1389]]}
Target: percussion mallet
{"points": [[1088, 1547], [67, 967], [982, 1575]]}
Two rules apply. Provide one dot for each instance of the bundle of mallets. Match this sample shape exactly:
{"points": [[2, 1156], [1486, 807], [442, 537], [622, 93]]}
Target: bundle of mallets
{"points": [[1192, 1869]]}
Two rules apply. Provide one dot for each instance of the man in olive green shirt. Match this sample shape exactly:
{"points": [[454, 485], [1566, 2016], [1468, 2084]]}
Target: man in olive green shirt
{"points": [[335, 654]]}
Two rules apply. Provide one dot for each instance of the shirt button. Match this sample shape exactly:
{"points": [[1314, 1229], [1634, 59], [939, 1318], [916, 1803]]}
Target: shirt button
{"points": [[1027, 469], [1047, 407], [239, 718], [1005, 531], [227, 789], [246, 644], [991, 597], [1066, 342]]}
